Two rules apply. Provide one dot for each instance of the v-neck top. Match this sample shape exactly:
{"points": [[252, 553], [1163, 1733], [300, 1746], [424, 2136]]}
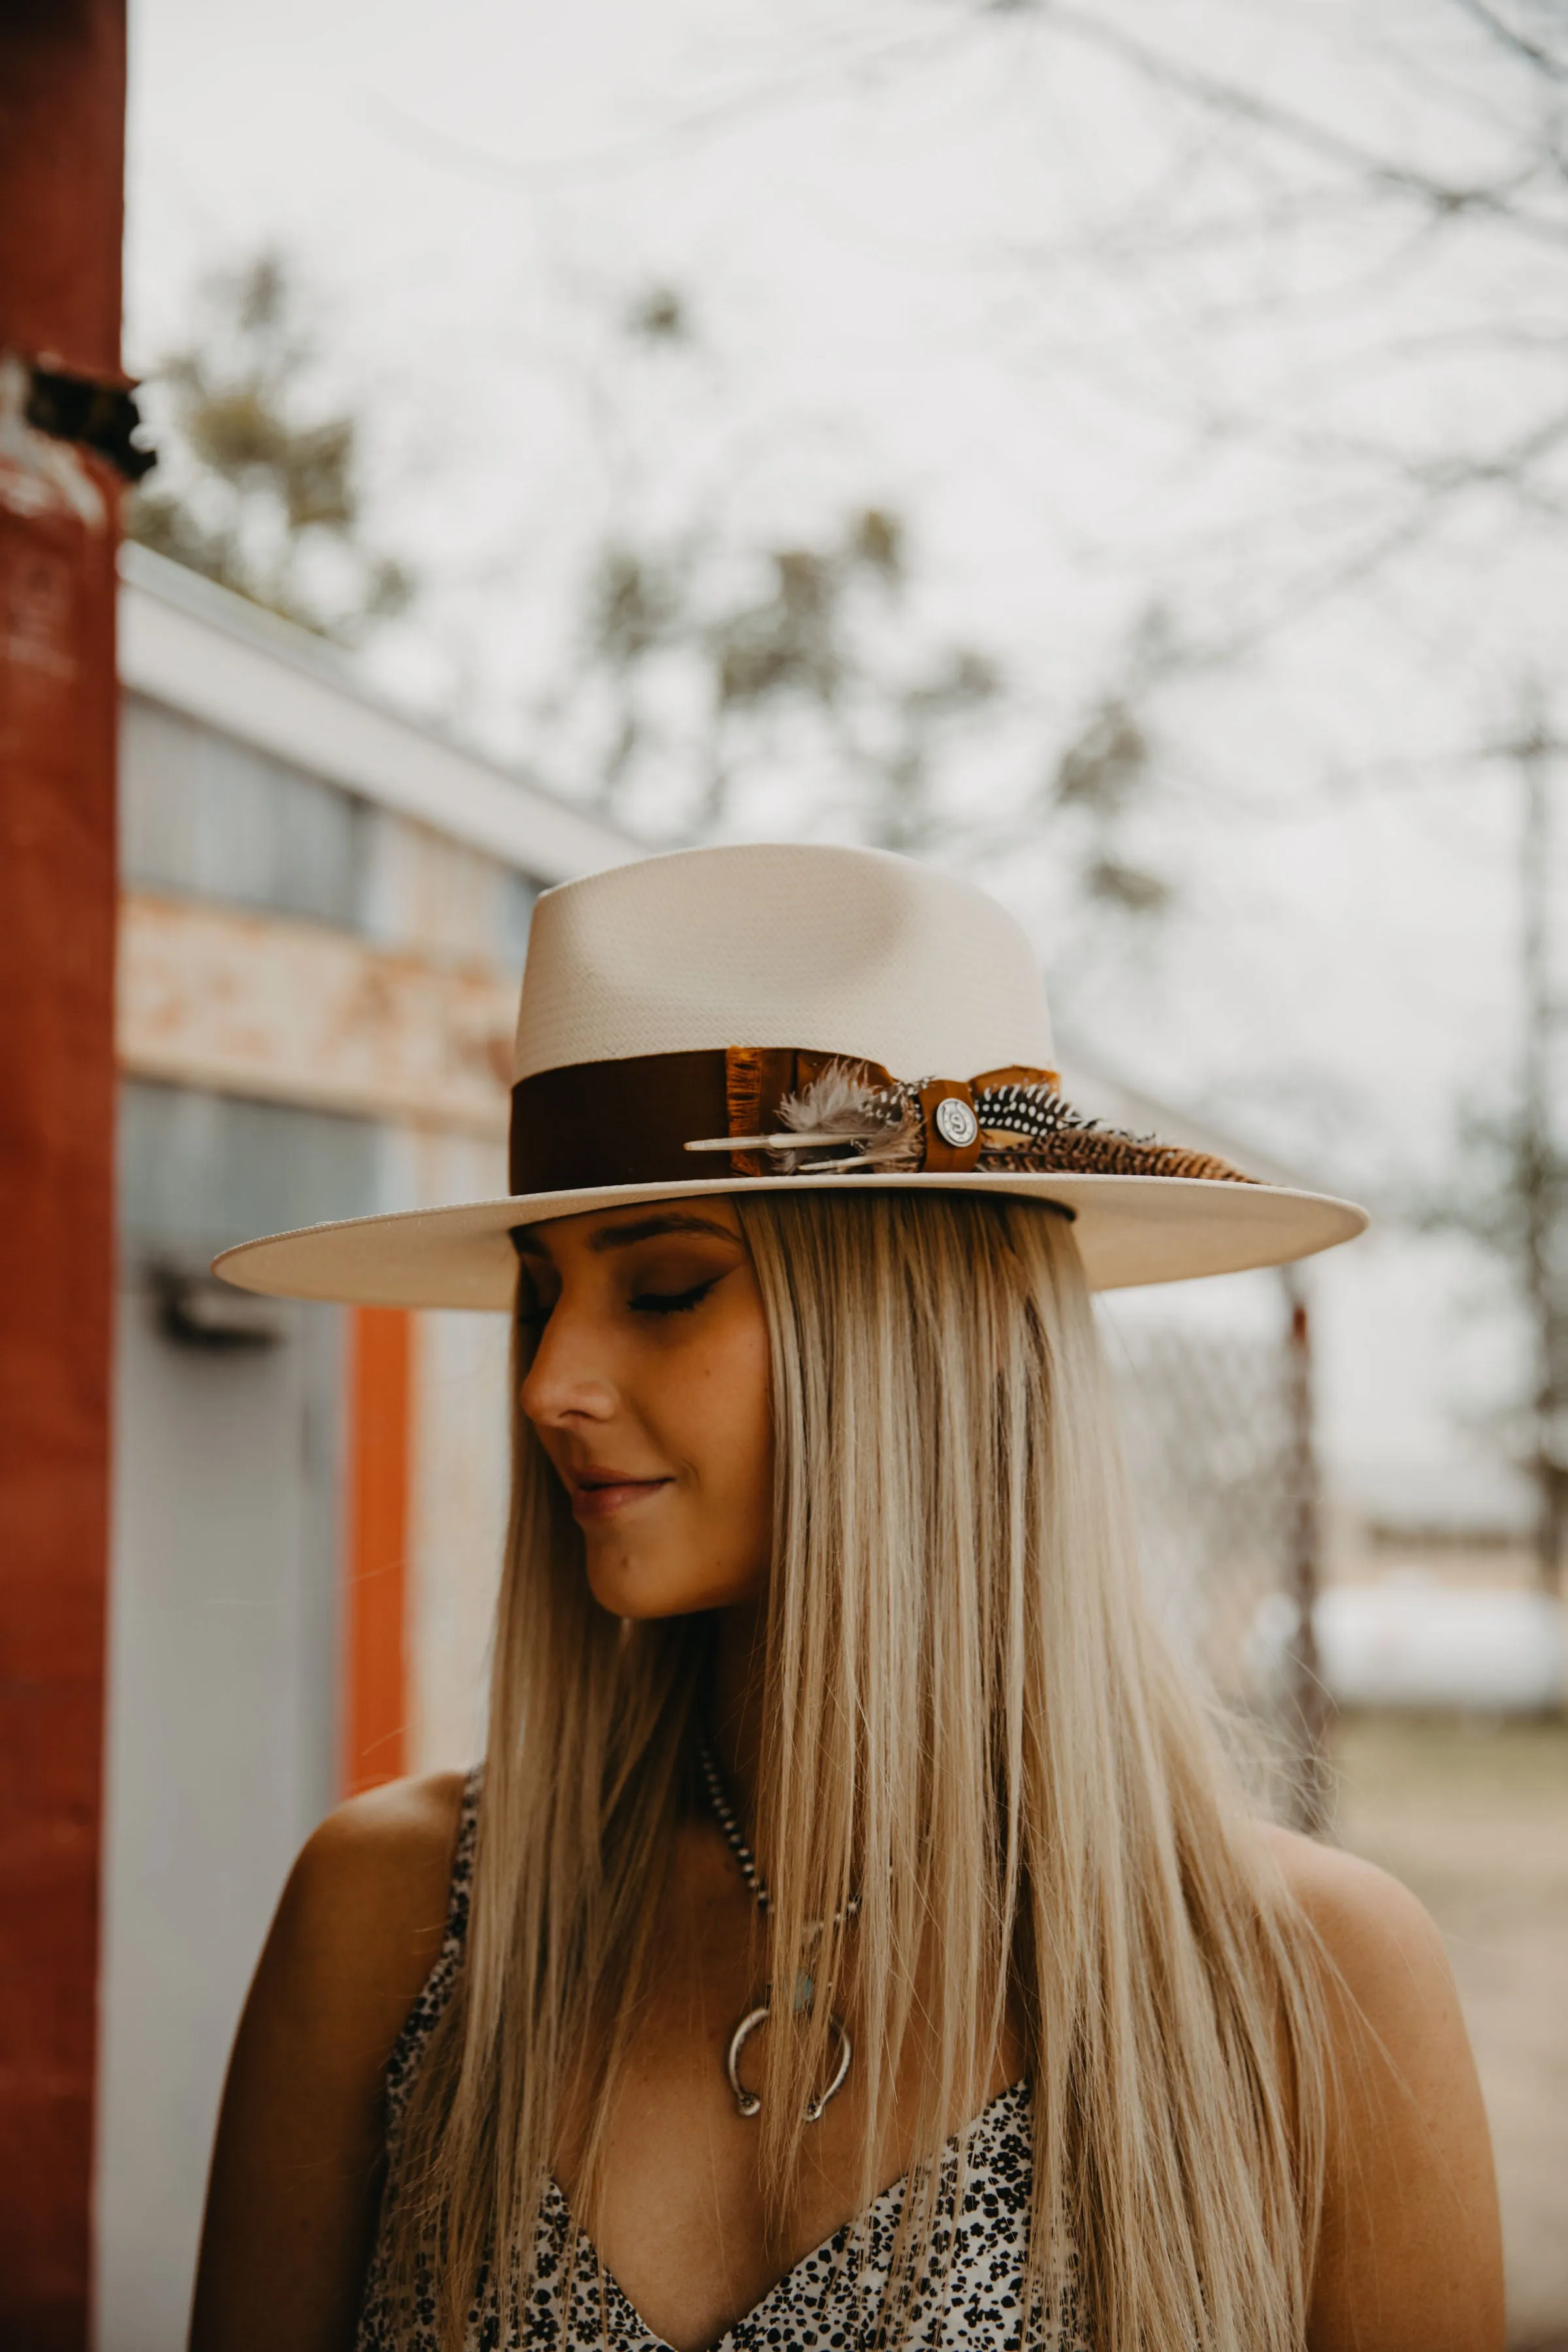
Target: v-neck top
{"points": [[830, 2298]]}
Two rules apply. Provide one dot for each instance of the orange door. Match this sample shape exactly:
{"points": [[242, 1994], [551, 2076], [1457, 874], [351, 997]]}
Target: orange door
{"points": [[379, 1454]]}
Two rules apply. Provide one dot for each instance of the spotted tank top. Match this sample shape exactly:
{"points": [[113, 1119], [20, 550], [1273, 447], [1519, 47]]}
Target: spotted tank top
{"points": [[829, 2298]]}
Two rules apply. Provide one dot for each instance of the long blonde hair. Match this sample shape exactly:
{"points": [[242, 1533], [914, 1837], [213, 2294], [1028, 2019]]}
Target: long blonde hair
{"points": [[970, 1720]]}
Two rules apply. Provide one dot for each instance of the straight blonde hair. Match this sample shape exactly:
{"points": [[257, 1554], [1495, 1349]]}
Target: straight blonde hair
{"points": [[971, 1721]]}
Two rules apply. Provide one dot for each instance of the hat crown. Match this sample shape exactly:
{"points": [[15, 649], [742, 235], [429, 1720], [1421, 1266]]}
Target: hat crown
{"points": [[852, 952]]}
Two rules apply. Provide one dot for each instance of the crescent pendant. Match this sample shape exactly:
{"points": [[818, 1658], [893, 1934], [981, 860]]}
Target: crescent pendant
{"points": [[747, 2102]]}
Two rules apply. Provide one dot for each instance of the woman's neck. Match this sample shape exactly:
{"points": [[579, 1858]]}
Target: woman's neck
{"points": [[735, 1700]]}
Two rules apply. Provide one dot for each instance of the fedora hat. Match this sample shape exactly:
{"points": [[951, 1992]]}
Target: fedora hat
{"points": [[772, 1016]]}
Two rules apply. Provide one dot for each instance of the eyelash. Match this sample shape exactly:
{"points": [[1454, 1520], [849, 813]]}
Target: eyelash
{"points": [[647, 1302], [672, 1302]]}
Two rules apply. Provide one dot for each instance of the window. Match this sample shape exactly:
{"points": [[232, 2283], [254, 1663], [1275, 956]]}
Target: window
{"points": [[204, 812], [200, 1170]]}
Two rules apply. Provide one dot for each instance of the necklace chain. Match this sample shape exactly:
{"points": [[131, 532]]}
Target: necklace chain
{"points": [[748, 2103], [722, 1806], [725, 1814]]}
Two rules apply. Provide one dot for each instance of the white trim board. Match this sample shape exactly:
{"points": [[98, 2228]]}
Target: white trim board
{"points": [[206, 653]]}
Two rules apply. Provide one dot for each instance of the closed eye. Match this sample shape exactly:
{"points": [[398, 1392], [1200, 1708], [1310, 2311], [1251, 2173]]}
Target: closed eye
{"points": [[672, 1302]]}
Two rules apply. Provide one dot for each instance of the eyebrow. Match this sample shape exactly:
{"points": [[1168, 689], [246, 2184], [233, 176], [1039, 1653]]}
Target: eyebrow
{"points": [[643, 1229]]}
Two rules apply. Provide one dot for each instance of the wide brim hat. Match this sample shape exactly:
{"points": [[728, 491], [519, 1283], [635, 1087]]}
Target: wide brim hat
{"points": [[774, 1017]]}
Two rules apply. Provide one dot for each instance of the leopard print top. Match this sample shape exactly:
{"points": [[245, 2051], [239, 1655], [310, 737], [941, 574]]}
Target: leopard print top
{"points": [[829, 2299]]}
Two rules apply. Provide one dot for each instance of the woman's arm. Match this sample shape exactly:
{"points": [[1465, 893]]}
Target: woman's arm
{"points": [[291, 2199], [1411, 2257]]}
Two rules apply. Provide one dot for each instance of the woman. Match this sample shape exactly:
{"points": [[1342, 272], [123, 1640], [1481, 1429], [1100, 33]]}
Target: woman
{"points": [[855, 1935]]}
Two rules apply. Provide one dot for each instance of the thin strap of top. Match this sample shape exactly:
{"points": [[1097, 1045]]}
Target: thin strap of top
{"points": [[439, 1986]]}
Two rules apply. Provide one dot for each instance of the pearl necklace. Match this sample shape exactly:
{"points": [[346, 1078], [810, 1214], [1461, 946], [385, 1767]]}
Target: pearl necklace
{"points": [[747, 2102]]}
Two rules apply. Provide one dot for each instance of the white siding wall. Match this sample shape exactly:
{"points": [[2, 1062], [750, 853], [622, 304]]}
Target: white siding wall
{"points": [[326, 921], [220, 1761]]}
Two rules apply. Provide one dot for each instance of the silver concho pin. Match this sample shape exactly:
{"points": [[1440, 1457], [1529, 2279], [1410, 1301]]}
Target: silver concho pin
{"points": [[955, 1122]]}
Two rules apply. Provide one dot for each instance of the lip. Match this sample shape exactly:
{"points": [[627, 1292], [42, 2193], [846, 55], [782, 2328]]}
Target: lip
{"points": [[600, 1494]]}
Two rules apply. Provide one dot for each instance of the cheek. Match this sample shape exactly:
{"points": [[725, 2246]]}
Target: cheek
{"points": [[742, 1420], [719, 1423], [703, 1400]]}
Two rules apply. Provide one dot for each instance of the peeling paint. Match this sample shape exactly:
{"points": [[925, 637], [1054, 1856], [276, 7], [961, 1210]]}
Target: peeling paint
{"points": [[291, 1012]]}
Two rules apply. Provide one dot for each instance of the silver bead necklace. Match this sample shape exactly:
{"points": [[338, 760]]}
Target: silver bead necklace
{"points": [[747, 2102]]}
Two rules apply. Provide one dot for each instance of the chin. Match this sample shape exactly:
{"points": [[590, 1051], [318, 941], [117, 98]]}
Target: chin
{"points": [[642, 1591]]}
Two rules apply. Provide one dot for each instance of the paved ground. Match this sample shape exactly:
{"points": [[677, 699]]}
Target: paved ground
{"points": [[1475, 1819]]}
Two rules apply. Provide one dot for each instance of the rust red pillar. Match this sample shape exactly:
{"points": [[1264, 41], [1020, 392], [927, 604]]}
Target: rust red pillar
{"points": [[62, 83]]}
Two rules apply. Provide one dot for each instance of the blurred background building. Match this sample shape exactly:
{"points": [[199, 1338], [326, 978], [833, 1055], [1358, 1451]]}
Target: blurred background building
{"points": [[323, 922]]}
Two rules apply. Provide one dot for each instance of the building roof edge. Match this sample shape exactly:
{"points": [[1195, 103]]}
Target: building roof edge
{"points": [[206, 651]]}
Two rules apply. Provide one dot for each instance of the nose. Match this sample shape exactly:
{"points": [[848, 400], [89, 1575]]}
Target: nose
{"points": [[568, 1382]]}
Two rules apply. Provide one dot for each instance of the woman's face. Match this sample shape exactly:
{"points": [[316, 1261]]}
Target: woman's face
{"points": [[649, 1391]]}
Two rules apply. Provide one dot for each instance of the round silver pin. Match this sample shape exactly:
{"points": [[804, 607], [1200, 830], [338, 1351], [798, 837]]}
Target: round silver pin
{"points": [[955, 1122]]}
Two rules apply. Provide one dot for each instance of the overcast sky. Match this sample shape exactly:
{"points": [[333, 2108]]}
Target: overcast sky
{"points": [[943, 259]]}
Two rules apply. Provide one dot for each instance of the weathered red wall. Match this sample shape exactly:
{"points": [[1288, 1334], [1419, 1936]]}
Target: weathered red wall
{"points": [[62, 72], [379, 1452]]}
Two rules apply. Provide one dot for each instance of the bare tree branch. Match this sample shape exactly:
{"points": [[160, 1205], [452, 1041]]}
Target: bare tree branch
{"points": [[1449, 200], [1534, 53]]}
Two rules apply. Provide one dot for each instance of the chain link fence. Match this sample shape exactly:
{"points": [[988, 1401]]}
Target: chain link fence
{"points": [[1217, 1428]]}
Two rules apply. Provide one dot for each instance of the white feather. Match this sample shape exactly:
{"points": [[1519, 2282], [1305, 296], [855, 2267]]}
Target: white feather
{"points": [[838, 1107]]}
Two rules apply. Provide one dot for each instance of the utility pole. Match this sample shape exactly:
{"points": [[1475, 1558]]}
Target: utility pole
{"points": [[65, 443], [1307, 1698], [1539, 1172]]}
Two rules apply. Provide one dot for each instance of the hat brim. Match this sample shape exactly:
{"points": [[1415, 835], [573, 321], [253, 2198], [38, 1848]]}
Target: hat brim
{"points": [[1129, 1230]]}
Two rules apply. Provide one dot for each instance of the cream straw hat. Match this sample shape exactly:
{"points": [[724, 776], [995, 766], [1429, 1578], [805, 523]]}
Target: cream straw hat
{"points": [[771, 1016]]}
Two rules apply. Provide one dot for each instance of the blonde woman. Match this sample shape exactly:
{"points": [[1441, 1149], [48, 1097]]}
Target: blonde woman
{"points": [[854, 1936]]}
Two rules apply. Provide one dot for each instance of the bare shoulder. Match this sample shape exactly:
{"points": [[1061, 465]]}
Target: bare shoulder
{"points": [[1382, 1942], [364, 1910], [1410, 2257], [357, 1930], [393, 1844], [300, 2139], [401, 1818], [1399, 2042]]}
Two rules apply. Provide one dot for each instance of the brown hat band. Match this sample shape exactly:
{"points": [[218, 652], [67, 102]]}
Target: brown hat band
{"points": [[591, 1124]]}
